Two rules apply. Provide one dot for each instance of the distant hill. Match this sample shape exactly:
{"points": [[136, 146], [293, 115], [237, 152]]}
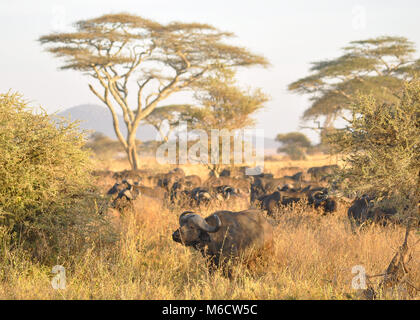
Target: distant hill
{"points": [[98, 118]]}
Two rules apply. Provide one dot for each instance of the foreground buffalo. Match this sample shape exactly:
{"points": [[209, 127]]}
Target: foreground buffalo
{"points": [[225, 235]]}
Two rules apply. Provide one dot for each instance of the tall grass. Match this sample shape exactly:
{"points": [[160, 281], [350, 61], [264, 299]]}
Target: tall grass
{"points": [[313, 257]]}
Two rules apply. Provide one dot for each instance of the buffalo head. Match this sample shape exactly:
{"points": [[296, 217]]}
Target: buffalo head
{"points": [[194, 230]]}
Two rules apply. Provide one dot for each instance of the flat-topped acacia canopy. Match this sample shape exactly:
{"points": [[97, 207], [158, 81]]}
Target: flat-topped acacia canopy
{"points": [[117, 50]]}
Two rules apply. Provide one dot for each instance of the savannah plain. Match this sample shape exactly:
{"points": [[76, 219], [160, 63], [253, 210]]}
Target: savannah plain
{"points": [[313, 255], [57, 211]]}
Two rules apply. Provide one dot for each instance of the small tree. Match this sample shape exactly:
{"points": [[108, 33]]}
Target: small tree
{"points": [[122, 50], [222, 105], [170, 114], [294, 144], [102, 146], [381, 149]]}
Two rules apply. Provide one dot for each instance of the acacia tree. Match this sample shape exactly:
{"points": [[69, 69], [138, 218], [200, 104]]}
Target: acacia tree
{"points": [[119, 50], [381, 148], [223, 105], [295, 144], [374, 66]]}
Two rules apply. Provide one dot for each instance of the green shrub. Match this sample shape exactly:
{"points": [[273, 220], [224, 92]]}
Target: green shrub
{"points": [[45, 189], [381, 148]]}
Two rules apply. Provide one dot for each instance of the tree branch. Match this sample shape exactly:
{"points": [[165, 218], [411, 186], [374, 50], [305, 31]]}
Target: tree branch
{"points": [[106, 101]]}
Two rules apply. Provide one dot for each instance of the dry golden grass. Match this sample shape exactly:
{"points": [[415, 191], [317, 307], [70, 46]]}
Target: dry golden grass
{"points": [[313, 257], [275, 165]]}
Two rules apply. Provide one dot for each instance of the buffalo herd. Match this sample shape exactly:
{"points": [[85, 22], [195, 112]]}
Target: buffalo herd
{"points": [[258, 200]]}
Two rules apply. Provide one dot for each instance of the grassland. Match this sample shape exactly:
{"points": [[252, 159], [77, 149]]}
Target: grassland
{"points": [[313, 257]]}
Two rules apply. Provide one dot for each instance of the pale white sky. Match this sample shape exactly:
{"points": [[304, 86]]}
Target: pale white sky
{"points": [[290, 34]]}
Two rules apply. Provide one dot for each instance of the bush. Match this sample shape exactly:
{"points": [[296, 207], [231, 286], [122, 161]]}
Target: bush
{"points": [[44, 177], [381, 148]]}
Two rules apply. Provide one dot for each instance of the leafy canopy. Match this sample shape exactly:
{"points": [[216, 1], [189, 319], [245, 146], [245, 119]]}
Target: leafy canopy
{"points": [[376, 66], [222, 104], [294, 144], [119, 50], [381, 148]]}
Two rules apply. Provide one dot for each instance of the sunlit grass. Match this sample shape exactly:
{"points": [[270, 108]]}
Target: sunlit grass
{"points": [[313, 257]]}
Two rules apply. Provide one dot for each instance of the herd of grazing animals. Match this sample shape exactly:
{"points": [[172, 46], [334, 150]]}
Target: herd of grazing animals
{"points": [[230, 234]]}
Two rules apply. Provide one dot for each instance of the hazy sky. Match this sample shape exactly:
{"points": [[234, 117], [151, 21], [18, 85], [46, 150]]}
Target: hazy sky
{"points": [[290, 34]]}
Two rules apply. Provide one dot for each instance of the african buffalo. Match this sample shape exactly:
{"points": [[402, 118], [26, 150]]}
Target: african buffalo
{"points": [[118, 187], [168, 179], [363, 210], [233, 197], [135, 175], [270, 202], [135, 198], [204, 196], [315, 198], [299, 176], [242, 184], [318, 173], [186, 183], [266, 185], [225, 235], [136, 189]]}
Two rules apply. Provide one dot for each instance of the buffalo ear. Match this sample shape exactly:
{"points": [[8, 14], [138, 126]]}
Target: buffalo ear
{"points": [[204, 237]]}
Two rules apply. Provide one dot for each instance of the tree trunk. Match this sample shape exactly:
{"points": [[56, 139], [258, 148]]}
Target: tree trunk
{"points": [[328, 124], [133, 157]]}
